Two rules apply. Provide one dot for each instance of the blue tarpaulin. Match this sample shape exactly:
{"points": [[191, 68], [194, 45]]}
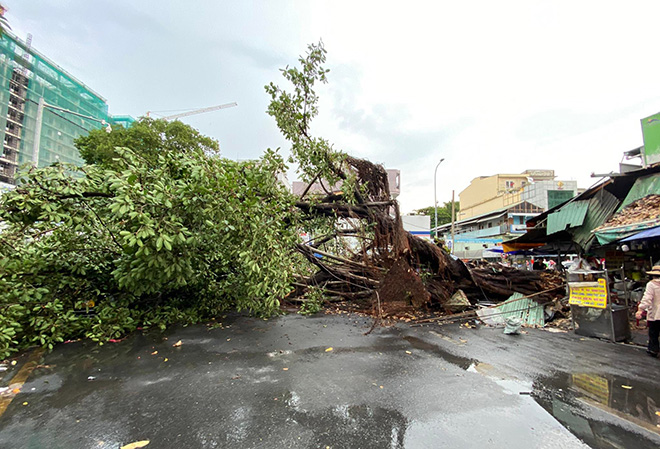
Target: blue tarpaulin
{"points": [[645, 234]]}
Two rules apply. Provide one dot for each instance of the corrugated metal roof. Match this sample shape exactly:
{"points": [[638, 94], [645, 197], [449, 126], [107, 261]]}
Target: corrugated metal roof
{"points": [[481, 220], [645, 186], [569, 216], [612, 234], [529, 311], [646, 234], [601, 207]]}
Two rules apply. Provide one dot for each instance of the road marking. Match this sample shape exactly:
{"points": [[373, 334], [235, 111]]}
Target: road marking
{"points": [[19, 379]]}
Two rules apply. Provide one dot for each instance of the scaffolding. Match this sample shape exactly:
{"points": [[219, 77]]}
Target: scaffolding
{"points": [[25, 77]]}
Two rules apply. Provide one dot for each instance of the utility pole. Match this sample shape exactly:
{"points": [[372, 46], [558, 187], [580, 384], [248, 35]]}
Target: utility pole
{"points": [[453, 220], [435, 199]]}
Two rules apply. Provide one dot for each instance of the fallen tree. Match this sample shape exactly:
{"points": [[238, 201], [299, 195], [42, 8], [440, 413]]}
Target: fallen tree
{"points": [[375, 261], [158, 229]]}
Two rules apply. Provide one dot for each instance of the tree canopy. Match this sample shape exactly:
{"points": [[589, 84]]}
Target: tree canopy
{"points": [[444, 213], [147, 138], [157, 228], [157, 233]]}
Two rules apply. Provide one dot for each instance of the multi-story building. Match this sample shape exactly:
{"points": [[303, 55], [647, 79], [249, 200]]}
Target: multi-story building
{"points": [[393, 178], [489, 193], [26, 76], [494, 209]]}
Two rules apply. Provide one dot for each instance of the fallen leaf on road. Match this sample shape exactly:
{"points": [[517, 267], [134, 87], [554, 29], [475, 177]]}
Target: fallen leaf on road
{"points": [[136, 445], [13, 363], [177, 344], [154, 353], [554, 330], [25, 403], [328, 350], [408, 352], [381, 387], [627, 387], [166, 359], [44, 366], [16, 390], [285, 369], [657, 413]]}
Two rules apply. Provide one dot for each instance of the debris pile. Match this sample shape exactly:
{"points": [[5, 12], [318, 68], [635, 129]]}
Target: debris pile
{"points": [[498, 282], [644, 209], [372, 262]]}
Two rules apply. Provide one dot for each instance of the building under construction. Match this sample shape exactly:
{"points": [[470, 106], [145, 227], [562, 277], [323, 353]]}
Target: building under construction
{"points": [[71, 109]]}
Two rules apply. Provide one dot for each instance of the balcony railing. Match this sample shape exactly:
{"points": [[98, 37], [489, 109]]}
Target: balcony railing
{"points": [[488, 232], [518, 228]]}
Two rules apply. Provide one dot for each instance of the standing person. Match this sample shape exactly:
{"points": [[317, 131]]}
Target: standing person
{"points": [[650, 304]]}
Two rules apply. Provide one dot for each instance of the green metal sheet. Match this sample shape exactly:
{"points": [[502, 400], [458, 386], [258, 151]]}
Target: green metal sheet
{"points": [[651, 133], [569, 216], [648, 185], [527, 310], [601, 208], [610, 235]]}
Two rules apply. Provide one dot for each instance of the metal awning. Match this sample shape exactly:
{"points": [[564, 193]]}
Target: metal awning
{"points": [[609, 235], [571, 215], [491, 217], [646, 234]]}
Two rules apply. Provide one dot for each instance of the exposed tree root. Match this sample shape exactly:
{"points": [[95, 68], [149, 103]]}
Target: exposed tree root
{"points": [[399, 272]]}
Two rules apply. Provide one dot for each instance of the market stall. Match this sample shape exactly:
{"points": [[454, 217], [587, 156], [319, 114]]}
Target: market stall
{"points": [[594, 310]]}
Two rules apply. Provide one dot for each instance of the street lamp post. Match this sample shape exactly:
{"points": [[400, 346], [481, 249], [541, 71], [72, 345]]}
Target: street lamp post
{"points": [[37, 130], [435, 198]]}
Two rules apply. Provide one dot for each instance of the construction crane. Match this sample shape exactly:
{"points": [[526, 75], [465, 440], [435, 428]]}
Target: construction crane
{"points": [[196, 111]]}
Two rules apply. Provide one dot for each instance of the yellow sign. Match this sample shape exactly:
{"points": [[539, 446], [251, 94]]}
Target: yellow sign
{"points": [[595, 386], [593, 296]]}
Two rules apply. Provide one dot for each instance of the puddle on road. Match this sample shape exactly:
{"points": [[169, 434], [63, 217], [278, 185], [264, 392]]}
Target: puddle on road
{"points": [[418, 343], [603, 411]]}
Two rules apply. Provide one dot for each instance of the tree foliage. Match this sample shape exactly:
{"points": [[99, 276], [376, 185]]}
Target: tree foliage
{"points": [[158, 233], [157, 229], [146, 137], [444, 213]]}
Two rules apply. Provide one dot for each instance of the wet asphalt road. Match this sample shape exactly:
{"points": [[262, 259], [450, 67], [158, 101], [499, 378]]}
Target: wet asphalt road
{"points": [[275, 384]]}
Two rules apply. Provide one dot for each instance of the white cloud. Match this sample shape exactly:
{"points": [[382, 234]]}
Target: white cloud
{"points": [[490, 86]]}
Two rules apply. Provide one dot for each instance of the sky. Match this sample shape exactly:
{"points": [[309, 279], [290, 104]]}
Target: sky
{"points": [[491, 87]]}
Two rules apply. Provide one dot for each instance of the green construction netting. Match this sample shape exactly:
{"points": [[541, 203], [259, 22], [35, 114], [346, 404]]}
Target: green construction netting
{"points": [[45, 79]]}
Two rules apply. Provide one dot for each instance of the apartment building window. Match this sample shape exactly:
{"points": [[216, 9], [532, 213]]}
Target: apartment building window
{"points": [[509, 184]]}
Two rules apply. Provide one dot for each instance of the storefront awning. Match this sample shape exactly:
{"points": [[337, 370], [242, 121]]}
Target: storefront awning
{"points": [[511, 247], [609, 235], [646, 234]]}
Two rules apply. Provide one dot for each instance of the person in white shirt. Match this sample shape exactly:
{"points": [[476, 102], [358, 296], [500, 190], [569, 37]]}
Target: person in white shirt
{"points": [[650, 304]]}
